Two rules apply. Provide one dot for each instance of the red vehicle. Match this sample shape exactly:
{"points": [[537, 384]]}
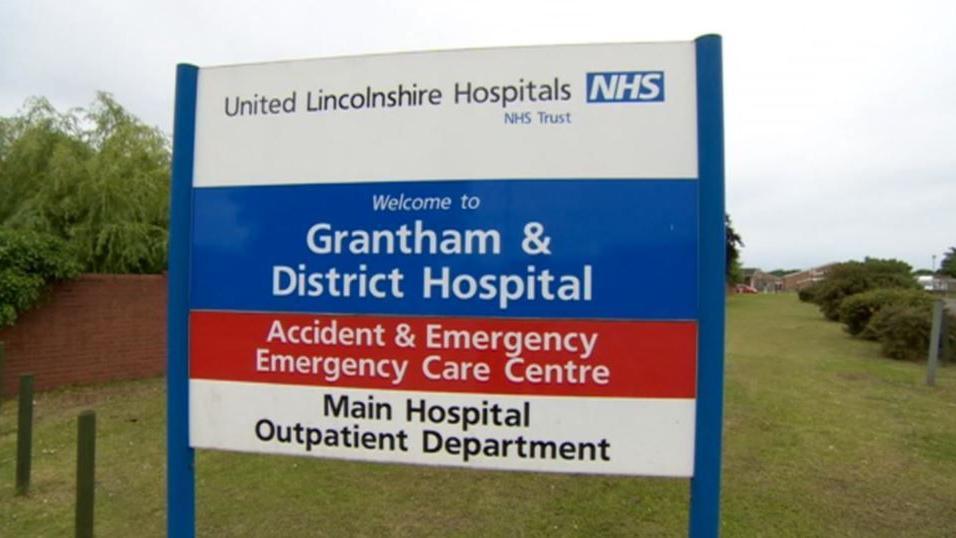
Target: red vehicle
{"points": [[743, 288]]}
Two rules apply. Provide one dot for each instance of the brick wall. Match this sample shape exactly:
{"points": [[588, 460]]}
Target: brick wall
{"points": [[93, 329]]}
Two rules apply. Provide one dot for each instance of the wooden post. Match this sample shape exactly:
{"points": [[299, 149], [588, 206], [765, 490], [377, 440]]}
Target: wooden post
{"points": [[85, 473], [933, 360], [24, 433]]}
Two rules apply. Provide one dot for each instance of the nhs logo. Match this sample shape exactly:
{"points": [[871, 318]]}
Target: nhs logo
{"points": [[626, 87]]}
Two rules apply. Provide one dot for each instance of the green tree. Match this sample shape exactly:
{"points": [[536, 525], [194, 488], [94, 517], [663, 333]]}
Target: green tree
{"points": [[40, 152], [948, 267], [97, 179], [734, 243]]}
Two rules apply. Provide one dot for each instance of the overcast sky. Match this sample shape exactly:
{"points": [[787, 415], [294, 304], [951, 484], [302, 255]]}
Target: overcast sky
{"points": [[840, 116]]}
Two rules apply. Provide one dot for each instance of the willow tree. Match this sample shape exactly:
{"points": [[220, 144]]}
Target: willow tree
{"points": [[97, 178]]}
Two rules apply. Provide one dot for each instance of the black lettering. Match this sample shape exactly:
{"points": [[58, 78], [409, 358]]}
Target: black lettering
{"points": [[271, 429], [431, 441]]}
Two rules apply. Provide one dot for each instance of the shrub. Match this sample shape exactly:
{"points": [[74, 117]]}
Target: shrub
{"points": [[903, 332], [850, 278], [857, 310], [28, 261], [808, 294]]}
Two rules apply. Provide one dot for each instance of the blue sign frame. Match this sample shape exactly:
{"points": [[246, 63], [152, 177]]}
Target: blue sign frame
{"points": [[180, 463], [705, 485], [704, 520]]}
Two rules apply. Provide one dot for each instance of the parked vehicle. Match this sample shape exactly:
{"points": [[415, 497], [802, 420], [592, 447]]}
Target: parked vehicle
{"points": [[743, 288]]}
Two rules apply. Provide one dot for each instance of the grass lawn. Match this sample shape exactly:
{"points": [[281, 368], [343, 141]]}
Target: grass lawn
{"points": [[822, 438]]}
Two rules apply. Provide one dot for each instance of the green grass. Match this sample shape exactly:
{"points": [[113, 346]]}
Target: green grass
{"points": [[822, 437]]}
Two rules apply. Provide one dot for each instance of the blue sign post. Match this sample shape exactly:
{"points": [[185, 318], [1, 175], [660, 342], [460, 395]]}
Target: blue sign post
{"points": [[180, 470], [517, 210], [705, 485]]}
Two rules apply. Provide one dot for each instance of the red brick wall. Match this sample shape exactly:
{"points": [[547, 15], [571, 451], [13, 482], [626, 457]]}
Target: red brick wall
{"points": [[89, 330]]}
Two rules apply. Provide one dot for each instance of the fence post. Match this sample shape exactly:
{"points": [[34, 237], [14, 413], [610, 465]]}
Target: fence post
{"points": [[24, 433], [85, 473], [933, 360]]}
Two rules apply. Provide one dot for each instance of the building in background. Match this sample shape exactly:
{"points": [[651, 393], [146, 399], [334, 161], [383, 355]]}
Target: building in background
{"points": [[801, 279], [937, 283], [761, 281]]}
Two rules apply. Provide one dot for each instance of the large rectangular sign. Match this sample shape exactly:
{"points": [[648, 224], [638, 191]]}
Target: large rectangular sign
{"points": [[484, 258]]}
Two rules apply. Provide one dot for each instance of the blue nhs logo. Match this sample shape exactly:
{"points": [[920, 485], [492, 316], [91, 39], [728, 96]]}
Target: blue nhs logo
{"points": [[626, 87]]}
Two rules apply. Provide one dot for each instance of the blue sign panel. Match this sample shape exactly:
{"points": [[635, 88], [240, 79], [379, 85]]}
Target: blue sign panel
{"points": [[311, 248]]}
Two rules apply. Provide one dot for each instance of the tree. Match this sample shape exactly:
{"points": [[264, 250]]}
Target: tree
{"points": [[948, 266], [734, 242], [97, 179]]}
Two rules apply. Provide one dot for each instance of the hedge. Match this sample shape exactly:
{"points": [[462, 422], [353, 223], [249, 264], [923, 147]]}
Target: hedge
{"points": [[857, 310], [903, 332]]}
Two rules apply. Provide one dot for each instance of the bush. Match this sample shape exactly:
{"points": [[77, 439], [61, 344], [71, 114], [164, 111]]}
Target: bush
{"points": [[857, 310], [28, 261], [808, 294], [850, 278], [903, 332]]}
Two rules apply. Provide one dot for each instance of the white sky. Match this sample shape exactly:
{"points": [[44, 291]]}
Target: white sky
{"points": [[840, 116]]}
